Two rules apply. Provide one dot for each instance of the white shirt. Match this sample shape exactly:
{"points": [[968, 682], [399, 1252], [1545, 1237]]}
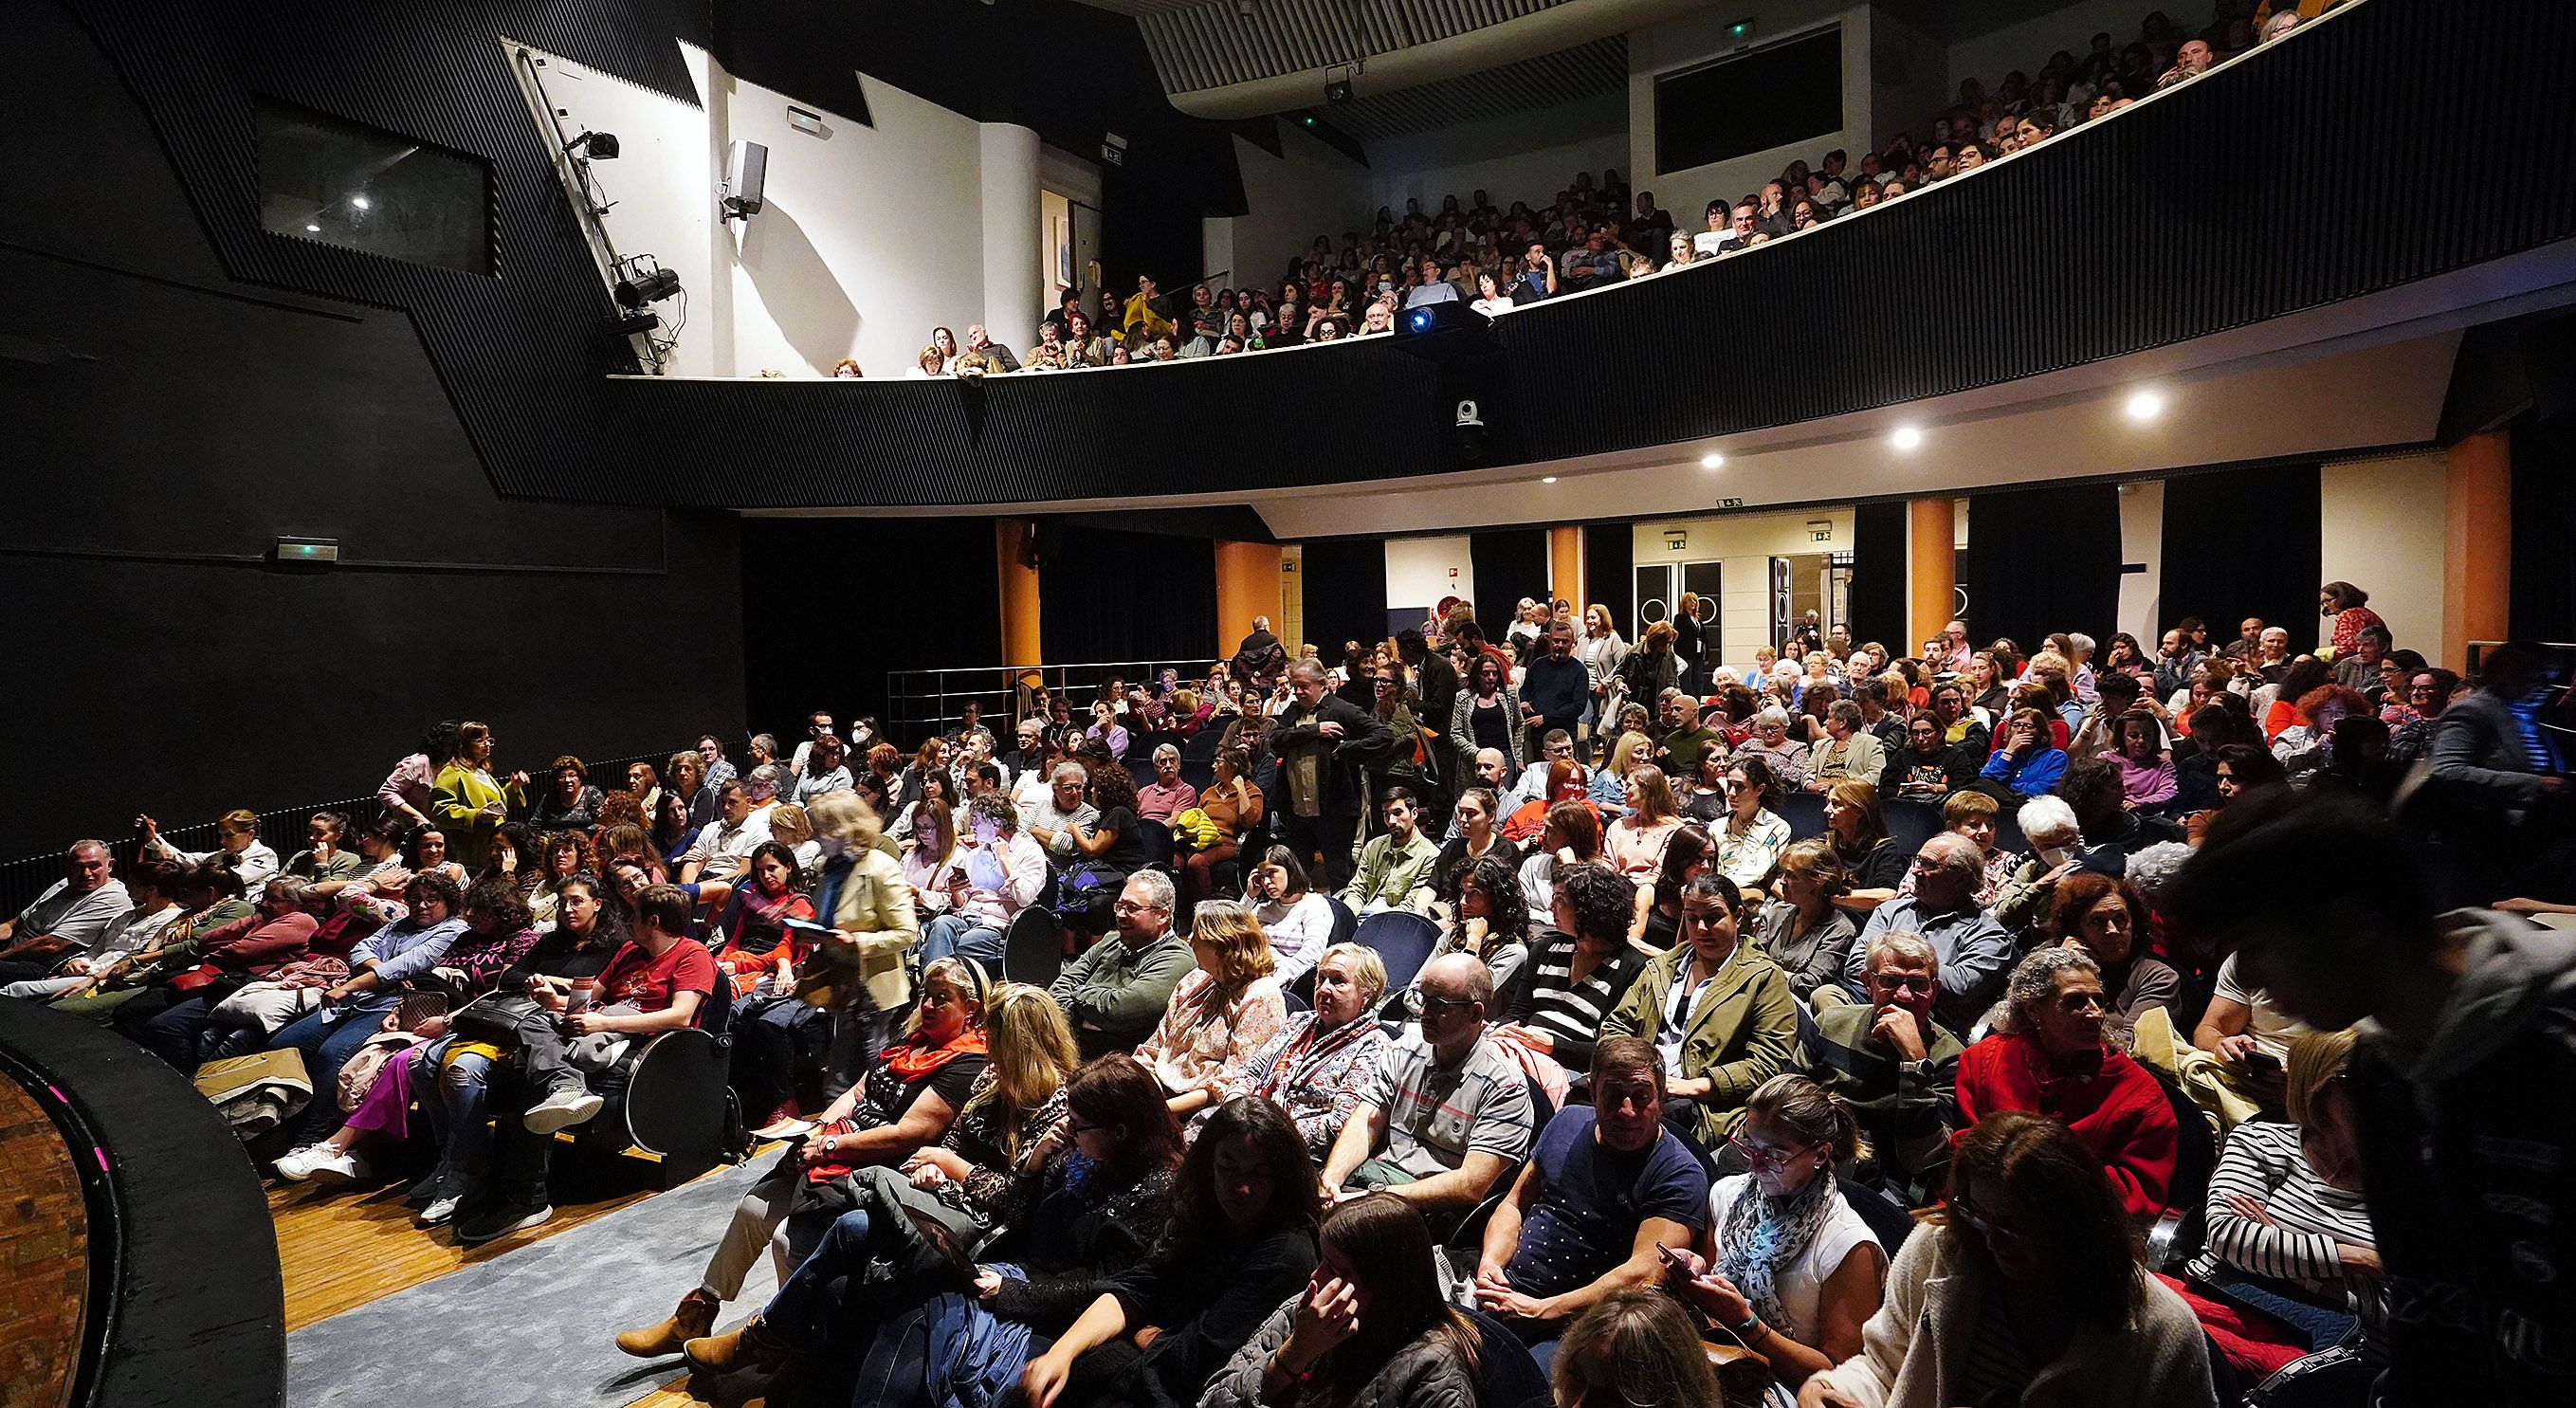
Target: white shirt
{"points": [[1801, 1284], [727, 851], [1299, 933], [1490, 306]]}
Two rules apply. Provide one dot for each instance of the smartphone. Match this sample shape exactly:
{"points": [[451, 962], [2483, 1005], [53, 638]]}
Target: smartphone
{"points": [[2260, 1060]]}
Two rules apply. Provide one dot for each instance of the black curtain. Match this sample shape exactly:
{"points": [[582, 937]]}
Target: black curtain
{"points": [[1106, 595], [2541, 599], [1509, 564], [1609, 559], [2239, 543], [1881, 546], [2042, 560], [1344, 585], [795, 665]]}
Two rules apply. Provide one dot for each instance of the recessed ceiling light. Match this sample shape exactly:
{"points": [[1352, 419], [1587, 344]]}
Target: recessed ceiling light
{"points": [[313, 229], [1712, 461], [1548, 479], [2146, 405], [1906, 437], [359, 201]]}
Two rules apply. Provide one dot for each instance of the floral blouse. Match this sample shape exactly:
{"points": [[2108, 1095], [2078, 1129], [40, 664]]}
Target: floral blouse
{"points": [[1206, 1043], [986, 1137], [1315, 1076]]}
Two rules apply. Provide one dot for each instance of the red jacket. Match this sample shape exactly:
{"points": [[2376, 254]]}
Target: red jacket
{"points": [[2120, 1113], [256, 944]]}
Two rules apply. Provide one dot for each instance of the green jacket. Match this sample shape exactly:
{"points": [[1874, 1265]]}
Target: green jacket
{"points": [[1743, 1032], [1388, 874]]}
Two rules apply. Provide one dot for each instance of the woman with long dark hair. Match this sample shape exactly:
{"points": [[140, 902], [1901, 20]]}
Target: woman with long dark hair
{"points": [[1492, 923], [1370, 1328]]}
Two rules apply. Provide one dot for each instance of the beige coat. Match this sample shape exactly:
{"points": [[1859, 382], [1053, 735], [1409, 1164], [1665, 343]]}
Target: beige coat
{"points": [[875, 909], [1914, 1351]]}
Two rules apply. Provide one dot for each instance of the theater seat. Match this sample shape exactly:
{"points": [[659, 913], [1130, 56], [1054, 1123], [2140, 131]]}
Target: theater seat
{"points": [[1403, 941], [1033, 947], [1805, 813], [678, 1111]]}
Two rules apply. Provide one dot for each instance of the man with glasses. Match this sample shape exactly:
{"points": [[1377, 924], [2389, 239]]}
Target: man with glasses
{"points": [[1974, 950], [1606, 1191], [1556, 746], [1893, 1066], [1115, 993], [817, 724], [1446, 1113]]}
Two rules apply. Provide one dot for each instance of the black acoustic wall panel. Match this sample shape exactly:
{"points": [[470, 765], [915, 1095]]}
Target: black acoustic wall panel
{"points": [[2042, 560], [1344, 586], [1881, 551], [2243, 542], [1609, 555], [2541, 597], [796, 661], [1509, 563], [1107, 595]]}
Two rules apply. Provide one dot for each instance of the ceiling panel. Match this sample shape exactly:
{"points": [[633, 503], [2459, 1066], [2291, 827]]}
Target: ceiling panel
{"points": [[1211, 43], [1586, 70]]}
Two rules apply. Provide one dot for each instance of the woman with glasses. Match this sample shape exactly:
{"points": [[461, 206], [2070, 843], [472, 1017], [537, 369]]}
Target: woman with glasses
{"points": [[1786, 1267], [2031, 1275], [1750, 840], [1315, 1067]]}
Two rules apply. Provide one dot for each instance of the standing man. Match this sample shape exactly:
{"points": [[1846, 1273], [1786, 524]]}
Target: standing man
{"points": [[1555, 688], [1320, 743], [1261, 657]]}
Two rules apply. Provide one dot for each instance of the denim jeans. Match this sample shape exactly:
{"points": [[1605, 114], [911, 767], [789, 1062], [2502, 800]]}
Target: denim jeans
{"points": [[456, 1090], [973, 938], [796, 1313]]}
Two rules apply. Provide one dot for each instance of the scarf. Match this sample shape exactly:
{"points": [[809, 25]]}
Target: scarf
{"points": [[910, 1059], [1760, 1241], [1311, 1046]]}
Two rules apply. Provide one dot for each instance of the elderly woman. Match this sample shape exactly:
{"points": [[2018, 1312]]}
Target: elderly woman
{"points": [[570, 803], [2031, 1276], [1848, 752], [1313, 1067], [2051, 1056], [1220, 1013], [2107, 918], [1804, 928], [1751, 838], [1771, 744]]}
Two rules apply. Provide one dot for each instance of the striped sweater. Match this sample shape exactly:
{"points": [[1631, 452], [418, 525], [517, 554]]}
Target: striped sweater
{"points": [[2263, 1162]]}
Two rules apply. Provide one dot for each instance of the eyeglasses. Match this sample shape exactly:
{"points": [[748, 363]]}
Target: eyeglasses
{"points": [[1761, 1157], [1131, 907], [1418, 1003], [1906, 982], [1986, 1226]]}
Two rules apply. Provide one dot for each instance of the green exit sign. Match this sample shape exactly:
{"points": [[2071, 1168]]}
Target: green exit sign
{"points": [[1741, 29], [308, 550]]}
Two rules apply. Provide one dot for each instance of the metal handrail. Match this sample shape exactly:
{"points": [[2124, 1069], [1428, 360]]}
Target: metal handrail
{"points": [[920, 703]]}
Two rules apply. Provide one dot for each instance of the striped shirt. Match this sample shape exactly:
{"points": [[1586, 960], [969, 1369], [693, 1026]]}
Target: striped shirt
{"points": [[1436, 1116], [1998, 1370], [1571, 1013], [2263, 1161]]}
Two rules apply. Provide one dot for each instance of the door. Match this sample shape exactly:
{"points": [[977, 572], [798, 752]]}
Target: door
{"points": [[1655, 596]]}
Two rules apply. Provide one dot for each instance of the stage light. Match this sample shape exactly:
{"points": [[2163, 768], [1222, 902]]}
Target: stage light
{"points": [[1712, 461], [599, 146], [1906, 437], [645, 282], [1419, 320], [312, 229], [1547, 479], [2146, 406], [358, 202]]}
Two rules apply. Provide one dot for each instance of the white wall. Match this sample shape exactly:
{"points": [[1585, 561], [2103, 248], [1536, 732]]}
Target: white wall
{"points": [[1308, 190], [1420, 571], [2142, 541], [1526, 156], [2027, 45], [2380, 527], [1695, 39], [1744, 544]]}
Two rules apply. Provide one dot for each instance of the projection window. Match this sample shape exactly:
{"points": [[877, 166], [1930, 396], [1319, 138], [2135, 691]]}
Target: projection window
{"points": [[343, 183]]}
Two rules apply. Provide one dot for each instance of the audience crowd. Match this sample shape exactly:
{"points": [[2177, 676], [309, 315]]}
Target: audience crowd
{"points": [[1441, 1038]]}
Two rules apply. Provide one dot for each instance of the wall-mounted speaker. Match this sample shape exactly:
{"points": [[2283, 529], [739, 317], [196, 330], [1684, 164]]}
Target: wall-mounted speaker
{"points": [[746, 172]]}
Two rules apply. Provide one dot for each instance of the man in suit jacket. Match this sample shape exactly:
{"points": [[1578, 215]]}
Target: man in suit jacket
{"points": [[1321, 741], [2493, 763]]}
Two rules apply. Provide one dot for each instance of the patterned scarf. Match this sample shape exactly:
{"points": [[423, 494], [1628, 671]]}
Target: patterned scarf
{"points": [[1762, 1240]]}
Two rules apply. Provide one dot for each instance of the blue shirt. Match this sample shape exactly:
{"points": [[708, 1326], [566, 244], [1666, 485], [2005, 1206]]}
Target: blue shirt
{"points": [[405, 950], [1592, 1199]]}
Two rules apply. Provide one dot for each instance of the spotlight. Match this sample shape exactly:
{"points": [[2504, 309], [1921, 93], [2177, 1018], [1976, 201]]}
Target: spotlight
{"points": [[1712, 461], [629, 324], [2145, 406], [1337, 90], [598, 146], [312, 229], [358, 202], [645, 282], [1906, 437], [1547, 479], [1419, 320]]}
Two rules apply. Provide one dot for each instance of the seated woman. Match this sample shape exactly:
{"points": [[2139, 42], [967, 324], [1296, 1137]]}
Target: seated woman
{"points": [[1231, 807], [1312, 1069], [325, 855], [1297, 920], [512, 856], [776, 1034], [1241, 1241], [1579, 968], [1706, 802], [2146, 771], [1634, 844], [1571, 836], [2030, 1272], [1804, 929], [908, 1099], [1737, 1025], [1633, 1349], [672, 832], [1751, 838], [175, 1011], [1221, 1012], [997, 870], [1369, 1327], [1848, 752], [976, 1178], [1872, 862], [425, 849], [1564, 781], [2288, 1230], [1492, 923], [237, 847], [2106, 917], [934, 801], [2049, 1055], [569, 802], [1108, 847], [2025, 763], [1786, 1266], [1478, 837], [1658, 923]]}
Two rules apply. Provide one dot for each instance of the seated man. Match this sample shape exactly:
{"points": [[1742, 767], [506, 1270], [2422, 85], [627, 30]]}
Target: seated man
{"points": [[1446, 1113], [1974, 950], [1166, 796], [154, 886], [69, 920], [1604, 1192], [1115, 994], [1062, 814], [1684, 739], [1394, 864], [1893, 1067], [723, 849], [997, 871], [1555, 746]]}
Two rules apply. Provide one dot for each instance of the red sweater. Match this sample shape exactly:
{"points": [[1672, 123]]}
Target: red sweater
{"points": [[2120, 1114]]}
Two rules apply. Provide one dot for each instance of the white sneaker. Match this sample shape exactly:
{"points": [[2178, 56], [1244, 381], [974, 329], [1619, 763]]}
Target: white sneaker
{"points": [[343, 1167], [565, 1108], [437, 1213], [298, 1166]]}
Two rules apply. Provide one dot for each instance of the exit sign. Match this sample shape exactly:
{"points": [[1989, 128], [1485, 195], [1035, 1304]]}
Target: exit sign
{"points": [[1730, 503]]}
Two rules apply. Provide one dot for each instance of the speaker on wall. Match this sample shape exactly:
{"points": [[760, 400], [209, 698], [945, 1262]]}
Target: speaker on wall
{"points": [[746, 171]]}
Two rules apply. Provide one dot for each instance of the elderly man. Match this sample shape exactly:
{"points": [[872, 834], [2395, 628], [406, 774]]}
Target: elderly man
{"points": [[1056, 819], [1166, 796], [2360, 669], [1555, 746], [1321, 741], [71, 918], [1445, 1113], [1115, 993], [1606, 1192], [1893, 1066], [1974, 951]]}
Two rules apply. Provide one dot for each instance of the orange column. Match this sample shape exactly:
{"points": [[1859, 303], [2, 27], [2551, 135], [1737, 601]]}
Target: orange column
{"points": [[1247, 585], [1931, 572], [2477, 543], [1020, 641], [1565, 566]]}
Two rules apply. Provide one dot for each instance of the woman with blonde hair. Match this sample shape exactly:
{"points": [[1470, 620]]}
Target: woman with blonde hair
{"points": [[1802, 928], [862, 897], [1221, 1012], [1635, 842], [1633, 1349]]}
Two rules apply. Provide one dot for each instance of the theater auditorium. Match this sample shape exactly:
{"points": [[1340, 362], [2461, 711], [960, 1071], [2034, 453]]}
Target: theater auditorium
{"points": [[1289, 704]]}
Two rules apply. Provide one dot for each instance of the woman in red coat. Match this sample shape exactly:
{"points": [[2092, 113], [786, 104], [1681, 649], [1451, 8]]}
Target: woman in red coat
{"points": [[2049, 1058]]}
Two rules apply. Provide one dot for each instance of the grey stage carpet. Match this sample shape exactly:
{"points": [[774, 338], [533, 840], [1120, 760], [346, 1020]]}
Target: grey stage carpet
{"points": [[535, 1325]]}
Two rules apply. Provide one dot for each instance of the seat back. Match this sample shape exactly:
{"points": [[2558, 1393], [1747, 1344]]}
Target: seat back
{"points": [[1887, 1221], [1403, 941], [1033, 948], [1345, 923], [678, 1102], [1507, 1374], [1910, 822], [1158, 844], [1805, 813]]}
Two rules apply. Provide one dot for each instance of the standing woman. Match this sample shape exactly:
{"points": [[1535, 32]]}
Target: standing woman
{"points": [[405, 791], [1600, 650], [1803, 929], [2344, 602], [1488, 714], [1371, 1326], [468, 801], [1787, 1267], [1750, 840], [859, 972]]}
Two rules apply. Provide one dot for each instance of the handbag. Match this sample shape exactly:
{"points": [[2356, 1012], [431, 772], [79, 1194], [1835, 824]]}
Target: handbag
{"points": [[493, 1019]]}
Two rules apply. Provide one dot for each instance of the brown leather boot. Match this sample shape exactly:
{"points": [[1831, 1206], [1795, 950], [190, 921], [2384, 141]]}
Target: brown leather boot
{"points": [[696, 1316], [751, 1349]]}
